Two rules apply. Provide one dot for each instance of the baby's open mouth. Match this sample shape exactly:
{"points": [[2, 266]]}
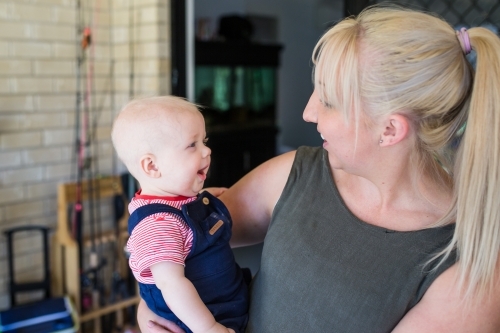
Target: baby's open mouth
{"points": [[203, 172]]}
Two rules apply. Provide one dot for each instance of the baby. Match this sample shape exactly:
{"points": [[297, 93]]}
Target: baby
{"points": [[179, 238]]}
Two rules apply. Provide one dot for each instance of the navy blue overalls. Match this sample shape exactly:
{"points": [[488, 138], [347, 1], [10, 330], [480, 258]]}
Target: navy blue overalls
{"points": [[210, 265]]}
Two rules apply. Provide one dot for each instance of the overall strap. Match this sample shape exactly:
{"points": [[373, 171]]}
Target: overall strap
{"points": [[144, 211]]}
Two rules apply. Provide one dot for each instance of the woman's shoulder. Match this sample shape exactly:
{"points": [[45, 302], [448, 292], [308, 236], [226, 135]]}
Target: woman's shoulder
{"points": [[308, 151], [305, 156], [280, 167], [302, 153]]}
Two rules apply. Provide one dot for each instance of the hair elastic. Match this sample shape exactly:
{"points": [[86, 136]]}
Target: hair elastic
{"points": [[463, 37]]}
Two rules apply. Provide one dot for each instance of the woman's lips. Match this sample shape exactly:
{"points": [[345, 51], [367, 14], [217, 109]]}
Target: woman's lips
{"points": [[324, 141]]}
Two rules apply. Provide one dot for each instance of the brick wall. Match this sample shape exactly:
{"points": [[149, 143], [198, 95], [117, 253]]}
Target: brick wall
{"points": [[38, 82]]}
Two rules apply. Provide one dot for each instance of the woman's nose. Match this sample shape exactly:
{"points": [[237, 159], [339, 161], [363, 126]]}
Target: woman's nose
{"points": [[310, 112]]}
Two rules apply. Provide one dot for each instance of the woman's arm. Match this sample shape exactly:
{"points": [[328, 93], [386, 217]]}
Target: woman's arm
{"points": [[443, 309], [252, 199]]}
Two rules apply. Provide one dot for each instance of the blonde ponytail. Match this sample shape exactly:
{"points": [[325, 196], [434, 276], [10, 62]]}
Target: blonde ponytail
{"points": [[477, 172]]}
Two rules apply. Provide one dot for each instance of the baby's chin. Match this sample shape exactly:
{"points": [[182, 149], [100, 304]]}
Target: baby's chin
{"points": [[193, 191]]}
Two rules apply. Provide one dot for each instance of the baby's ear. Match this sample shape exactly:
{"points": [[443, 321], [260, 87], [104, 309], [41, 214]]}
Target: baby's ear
{"points": [[149, 166]]}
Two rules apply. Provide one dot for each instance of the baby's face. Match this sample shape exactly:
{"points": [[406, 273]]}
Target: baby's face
{"points": [[185, 159]]}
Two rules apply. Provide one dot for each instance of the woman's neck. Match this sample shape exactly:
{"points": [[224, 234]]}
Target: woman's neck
{"points": [[392, 197]]}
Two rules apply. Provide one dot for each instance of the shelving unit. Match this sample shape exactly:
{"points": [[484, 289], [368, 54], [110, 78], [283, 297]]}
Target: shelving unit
{"points": [[240, 105], [65, 272]]}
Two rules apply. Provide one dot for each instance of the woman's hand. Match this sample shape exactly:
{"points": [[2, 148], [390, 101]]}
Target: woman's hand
{"points": [[163, 326], [215, 191], [151, 323]]}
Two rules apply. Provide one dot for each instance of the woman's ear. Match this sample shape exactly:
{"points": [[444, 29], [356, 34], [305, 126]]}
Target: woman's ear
{"points": [[149, 166], [397, 128]]}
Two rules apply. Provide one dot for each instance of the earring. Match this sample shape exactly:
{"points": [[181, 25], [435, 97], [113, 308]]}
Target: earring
{"points": [[381, 141]]}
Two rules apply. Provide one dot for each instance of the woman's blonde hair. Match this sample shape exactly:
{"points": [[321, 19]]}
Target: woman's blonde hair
{"points": [[393, 60]]}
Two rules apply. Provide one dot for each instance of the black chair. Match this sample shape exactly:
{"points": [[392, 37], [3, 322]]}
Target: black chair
{"points": [[43, 285]]}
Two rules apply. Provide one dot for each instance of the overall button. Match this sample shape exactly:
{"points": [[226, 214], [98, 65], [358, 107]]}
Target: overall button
{"points": [[206, 201]]}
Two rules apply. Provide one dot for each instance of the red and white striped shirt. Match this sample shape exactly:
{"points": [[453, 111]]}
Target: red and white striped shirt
{"points": [[159, 237]]}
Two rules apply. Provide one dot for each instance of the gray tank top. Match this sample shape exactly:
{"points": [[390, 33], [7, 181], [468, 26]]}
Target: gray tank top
{"points": [[324, 270]]}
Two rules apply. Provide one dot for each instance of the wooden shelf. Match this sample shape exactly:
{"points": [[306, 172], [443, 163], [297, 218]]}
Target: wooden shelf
{"points": [[65, 272]]}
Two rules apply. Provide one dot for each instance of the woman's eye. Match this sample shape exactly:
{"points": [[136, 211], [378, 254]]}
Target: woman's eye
{"points": [[326, 104]]}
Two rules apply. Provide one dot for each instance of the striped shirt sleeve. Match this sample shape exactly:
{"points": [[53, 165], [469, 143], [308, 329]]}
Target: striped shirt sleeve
{"points": [[159, 237]]}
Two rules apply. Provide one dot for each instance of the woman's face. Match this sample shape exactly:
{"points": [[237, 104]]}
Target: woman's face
{"points": [[346, 149]]}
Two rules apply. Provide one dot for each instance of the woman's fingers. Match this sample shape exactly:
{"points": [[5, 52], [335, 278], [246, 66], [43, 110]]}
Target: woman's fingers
{"points": [[163, 326], [215, 191]]}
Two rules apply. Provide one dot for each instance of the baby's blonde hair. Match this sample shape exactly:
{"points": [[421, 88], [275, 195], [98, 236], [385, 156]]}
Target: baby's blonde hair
{"points": [[142, 125], [392, 60]]}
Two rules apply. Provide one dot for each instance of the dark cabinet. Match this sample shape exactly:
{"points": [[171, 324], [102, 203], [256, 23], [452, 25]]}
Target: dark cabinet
{"points": [[236, 152], [236, 84]]}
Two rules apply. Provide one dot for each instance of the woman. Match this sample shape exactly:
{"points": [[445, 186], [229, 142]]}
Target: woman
{"points": [[383, 229]]}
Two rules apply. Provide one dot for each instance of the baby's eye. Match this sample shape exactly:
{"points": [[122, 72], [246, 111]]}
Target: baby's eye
{"points": [[192, 145], [205, 141]]}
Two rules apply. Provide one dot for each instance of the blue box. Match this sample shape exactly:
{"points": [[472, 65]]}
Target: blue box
{"points": [[54, 315]]}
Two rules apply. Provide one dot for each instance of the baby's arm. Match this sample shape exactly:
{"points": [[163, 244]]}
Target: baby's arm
{"points": [[183, 299]]}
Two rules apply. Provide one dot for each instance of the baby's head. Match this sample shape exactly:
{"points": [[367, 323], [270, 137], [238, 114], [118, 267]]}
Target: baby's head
{"points": [[161, 140]]}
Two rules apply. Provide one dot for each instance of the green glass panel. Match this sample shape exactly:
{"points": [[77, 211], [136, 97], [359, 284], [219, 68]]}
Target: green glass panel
{"points": [[225, 88]]}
